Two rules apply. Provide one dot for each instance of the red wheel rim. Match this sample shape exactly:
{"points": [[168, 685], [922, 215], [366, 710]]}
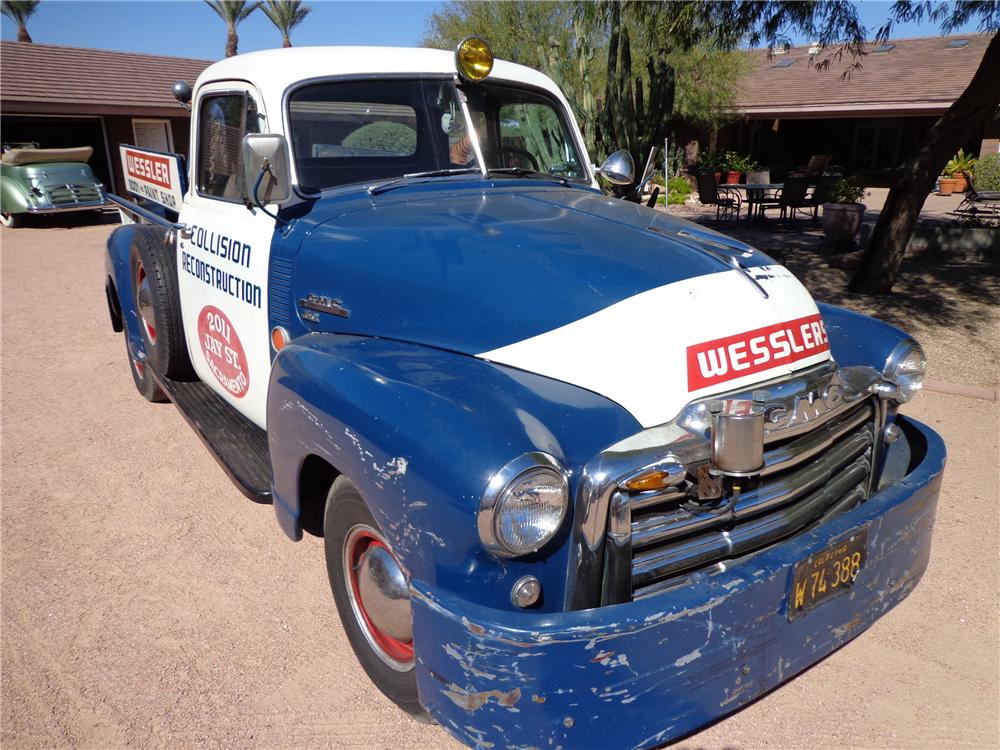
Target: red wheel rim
{"points": [[144, 301], [396, 650]]}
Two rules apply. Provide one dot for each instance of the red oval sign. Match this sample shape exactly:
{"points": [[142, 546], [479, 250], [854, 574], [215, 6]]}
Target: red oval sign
{"points": [[223, 351]]}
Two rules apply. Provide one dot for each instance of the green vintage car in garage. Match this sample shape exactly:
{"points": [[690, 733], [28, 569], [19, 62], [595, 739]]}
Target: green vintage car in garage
{"points": [[46, 180]]}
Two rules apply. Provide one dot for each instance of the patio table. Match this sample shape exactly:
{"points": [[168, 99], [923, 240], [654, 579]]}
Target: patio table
{"points": [[755, 192]]}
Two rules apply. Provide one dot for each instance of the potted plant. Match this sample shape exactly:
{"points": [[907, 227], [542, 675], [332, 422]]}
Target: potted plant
{"points": [[756, 174], [733, 165], [960, 163], [843, 213], [946, 184], [710, 160]]}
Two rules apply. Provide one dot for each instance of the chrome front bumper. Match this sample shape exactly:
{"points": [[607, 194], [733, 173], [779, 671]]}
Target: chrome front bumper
{"points": [[642, 673]]}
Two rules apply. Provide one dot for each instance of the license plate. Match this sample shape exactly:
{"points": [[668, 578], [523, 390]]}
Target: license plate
{"points": [[824, 575]]}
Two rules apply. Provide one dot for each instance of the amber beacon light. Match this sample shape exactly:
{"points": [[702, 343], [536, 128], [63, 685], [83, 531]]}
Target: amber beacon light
{"points": [[473, 59]]}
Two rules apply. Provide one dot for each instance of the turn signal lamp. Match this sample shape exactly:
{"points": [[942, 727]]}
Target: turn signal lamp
{"points": [[473, 59], [664, 474], [279, 337]]}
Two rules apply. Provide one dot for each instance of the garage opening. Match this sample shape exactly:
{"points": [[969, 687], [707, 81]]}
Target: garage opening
{"points": [[62, 132]]}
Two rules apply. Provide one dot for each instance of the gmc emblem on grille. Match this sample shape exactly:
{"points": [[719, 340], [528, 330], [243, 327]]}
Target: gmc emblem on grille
{"points": [[806, 408]]}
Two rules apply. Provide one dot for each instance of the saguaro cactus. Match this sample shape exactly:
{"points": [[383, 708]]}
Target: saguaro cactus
{"points": [[627, 118]]}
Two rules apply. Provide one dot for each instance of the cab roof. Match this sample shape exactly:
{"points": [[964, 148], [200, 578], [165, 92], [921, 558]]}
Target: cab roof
{"points": [[273, 71]]}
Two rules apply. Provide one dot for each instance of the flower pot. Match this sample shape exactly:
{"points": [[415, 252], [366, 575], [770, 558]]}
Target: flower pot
{"points": [[841, 222], [718, 177], [732, 178], [960, 184], [946, 185]]}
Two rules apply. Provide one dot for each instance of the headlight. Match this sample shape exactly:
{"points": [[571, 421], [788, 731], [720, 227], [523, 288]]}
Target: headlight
{"points": [[905, 369], [523, 506]]}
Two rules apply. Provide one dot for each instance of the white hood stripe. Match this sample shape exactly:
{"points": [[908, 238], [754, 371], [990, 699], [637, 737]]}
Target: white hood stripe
{"points": [[635, 352]]}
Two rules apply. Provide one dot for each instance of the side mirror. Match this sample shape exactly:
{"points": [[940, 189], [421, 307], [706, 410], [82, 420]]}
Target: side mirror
{"points": [[618, 169], [266, 176], [182, 92]]}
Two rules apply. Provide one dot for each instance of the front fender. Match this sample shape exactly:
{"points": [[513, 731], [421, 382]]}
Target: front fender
{"points": [[858, 339], [420, 432], [13, 196]]}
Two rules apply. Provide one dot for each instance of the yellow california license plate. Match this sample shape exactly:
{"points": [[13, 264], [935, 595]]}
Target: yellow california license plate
{"points": [[824, 575]]}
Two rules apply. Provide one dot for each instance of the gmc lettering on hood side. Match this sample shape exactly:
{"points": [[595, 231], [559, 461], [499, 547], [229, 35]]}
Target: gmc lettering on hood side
{"points": [[713, 362]]}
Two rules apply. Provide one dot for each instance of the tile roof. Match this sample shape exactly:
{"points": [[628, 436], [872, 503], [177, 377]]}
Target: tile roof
{"points": [[101, 78], [917, 75]]}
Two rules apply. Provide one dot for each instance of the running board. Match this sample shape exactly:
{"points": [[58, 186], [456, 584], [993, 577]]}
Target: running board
{"points": [[238, 444]]}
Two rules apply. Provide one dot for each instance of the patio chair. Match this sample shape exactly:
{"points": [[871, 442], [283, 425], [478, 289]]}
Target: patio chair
{"points": [[792, 196], [725, 199], [817, 162], [978, 201], [820, 195]]}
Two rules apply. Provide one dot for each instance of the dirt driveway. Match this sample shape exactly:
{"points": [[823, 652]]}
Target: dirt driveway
{"points": [[145, 602]]}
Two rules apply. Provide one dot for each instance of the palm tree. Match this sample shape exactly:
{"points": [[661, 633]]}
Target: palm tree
{"points": [[232, 12], [19, 11], [286, 15]]}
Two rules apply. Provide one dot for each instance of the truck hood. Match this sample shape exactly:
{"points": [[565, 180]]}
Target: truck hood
{"points": [[647, 310]]}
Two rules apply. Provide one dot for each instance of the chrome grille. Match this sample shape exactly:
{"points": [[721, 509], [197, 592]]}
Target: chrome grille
{"points": [[808, 477], [70, 194]]}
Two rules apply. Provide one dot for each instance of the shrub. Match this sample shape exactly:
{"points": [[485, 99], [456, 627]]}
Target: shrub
{"points": [[848, 190], [987, 176], [385, 135], [678, 189]]}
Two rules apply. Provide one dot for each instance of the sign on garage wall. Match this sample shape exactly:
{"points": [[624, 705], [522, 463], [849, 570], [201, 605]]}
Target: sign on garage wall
{"points": [[153, 175]]}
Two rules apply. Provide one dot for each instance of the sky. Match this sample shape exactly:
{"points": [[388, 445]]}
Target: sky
{"points": [[188, 28]]}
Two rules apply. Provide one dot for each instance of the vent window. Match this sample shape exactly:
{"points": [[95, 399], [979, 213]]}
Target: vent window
{"points": [[957, 44], [784, 63], [883, 48]]}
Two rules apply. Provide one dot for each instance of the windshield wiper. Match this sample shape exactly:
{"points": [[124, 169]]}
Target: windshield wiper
{"points": [[383, 186], [525, 172]]}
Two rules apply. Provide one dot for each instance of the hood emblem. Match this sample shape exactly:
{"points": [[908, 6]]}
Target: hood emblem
{"points": [[724, 249], [323, 304]]}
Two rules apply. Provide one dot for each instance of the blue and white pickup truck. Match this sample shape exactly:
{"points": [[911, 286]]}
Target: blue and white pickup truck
{"points": [[587, 475]]}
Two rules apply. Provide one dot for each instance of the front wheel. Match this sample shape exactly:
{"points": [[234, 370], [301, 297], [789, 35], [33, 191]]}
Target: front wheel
{"points": [[372, 595], [12, 221]]}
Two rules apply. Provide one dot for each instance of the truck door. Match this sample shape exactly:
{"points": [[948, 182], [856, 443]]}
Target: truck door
{"points": [[223, 254]]}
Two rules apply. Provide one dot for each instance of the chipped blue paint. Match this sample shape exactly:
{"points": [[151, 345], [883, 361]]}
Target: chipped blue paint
{"points": [[694, 654]]}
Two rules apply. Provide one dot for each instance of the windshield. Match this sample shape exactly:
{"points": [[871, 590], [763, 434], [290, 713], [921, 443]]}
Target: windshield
{"points": [[345, 132]]}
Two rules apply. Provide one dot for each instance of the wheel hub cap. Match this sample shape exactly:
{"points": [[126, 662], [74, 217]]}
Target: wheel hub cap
{"points": [[380, 597], [144, 299]]}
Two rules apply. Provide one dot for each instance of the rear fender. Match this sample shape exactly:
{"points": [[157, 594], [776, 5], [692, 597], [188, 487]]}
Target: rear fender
{"points": [[420, 432], [118, 270]]}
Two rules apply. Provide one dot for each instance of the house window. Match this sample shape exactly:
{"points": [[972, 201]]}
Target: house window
{"points": [[154, 135], [876, 145]]}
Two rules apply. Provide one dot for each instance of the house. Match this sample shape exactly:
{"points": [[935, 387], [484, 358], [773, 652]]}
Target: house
{"points": [[70, 96], [869, 121]]}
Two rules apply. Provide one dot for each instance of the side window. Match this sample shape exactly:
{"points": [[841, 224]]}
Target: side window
{"points": [[533, 136], [222, 122]]}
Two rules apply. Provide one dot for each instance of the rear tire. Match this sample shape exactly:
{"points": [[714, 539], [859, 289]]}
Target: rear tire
{"points": [[144, 381], [388, 661], [154, 291]]}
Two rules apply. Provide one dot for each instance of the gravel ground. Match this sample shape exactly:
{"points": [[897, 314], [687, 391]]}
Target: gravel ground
{"points": [[146, 602]]}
